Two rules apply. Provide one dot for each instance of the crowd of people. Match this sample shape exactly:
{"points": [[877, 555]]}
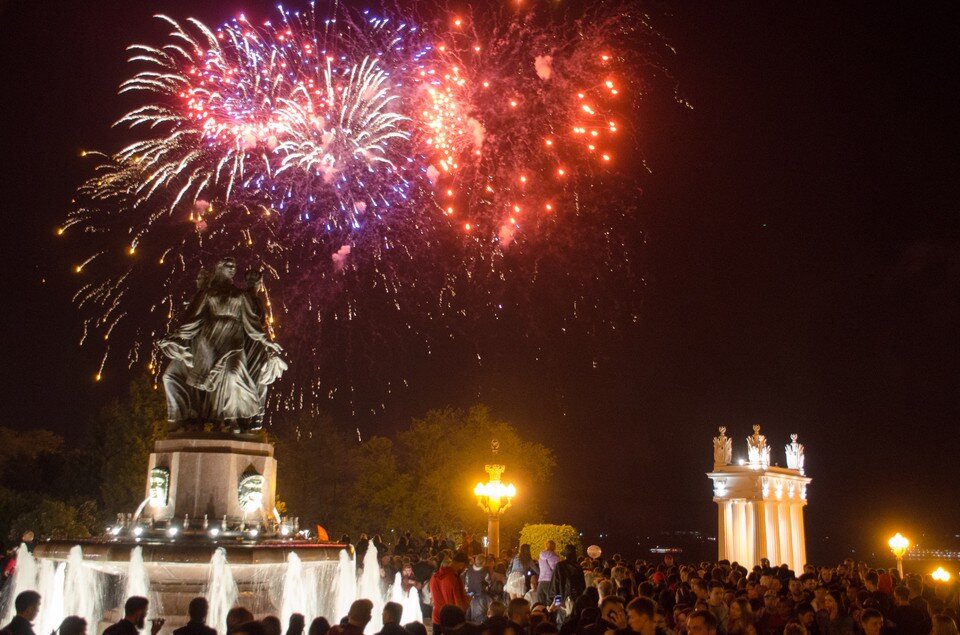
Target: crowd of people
{"points": [[464, 591]]}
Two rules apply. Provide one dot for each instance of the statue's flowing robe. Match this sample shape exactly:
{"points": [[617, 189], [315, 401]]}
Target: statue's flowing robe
{"points": [[222, 327]]}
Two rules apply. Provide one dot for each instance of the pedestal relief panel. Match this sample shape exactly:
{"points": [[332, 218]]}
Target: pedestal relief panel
{"points": [[212, 477]]}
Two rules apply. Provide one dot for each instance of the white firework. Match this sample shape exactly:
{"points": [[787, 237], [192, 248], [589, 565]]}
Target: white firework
{"points": [[357, 126]]}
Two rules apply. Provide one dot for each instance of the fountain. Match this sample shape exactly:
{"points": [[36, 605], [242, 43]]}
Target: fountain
{"points": [[51, 586], [24, 578], [369, 587], [137, 581], [207, 524], [83, 588], [170, 551], [222, 592], [410, 601], [346, 583]]}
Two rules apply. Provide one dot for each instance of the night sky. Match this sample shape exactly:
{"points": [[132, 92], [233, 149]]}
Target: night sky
{"points": [[802, 267]]}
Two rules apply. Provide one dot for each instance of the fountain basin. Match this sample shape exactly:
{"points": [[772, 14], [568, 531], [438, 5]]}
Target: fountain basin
{"points": [[186, 562], [92, 578]]}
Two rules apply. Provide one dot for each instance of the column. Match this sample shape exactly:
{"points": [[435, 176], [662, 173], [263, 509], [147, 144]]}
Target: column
{"points": [[799, 538], [786, 540], [493, 535], [773, 533], [744, 538], [761, 550], [721, 530]]}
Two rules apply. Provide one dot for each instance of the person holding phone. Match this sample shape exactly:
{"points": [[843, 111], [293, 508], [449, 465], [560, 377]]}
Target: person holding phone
{"points": [[568, 579], [134, 618], [613, 617]]}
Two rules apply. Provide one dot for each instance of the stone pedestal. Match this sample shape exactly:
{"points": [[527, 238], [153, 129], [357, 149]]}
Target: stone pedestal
{"points": [[204, 477]]}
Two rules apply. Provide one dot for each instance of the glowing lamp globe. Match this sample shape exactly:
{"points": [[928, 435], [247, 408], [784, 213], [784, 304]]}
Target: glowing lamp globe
{"points": [[898, 545], [941, 575], [494, 496]]}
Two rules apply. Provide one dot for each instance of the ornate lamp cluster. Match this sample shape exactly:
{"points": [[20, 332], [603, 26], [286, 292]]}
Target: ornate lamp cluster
{"points": [[758, 452], [899, 545], [494, 497]]}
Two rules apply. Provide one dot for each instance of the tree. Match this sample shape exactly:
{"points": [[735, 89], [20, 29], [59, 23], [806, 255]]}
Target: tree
{"points": [[15, 447], [123, 439], [422, 482], [445, 453], [56, 519], [315, 470], [381, 491], [40, 487]]}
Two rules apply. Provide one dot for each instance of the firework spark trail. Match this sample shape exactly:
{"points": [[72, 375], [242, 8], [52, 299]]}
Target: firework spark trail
{"points": [[409, 174]]}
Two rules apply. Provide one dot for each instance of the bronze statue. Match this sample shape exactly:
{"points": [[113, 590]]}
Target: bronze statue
{"points": [[221, 357]]}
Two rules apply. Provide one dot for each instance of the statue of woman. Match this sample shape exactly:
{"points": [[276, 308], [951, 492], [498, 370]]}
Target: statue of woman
{"points": [[210, 378]]}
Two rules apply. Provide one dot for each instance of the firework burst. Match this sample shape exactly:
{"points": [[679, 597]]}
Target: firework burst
{"points": [[411, 173]]}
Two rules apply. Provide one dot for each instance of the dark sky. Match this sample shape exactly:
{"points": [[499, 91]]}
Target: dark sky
{"points": [[802, 265]]}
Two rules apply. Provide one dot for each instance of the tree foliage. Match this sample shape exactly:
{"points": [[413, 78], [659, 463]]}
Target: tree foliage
{"points": [[60, 492], [51, 518], [421, 481], [41, 486], [124, 435]]}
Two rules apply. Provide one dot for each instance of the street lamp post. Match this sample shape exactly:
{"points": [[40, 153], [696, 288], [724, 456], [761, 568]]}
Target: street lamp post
{"points": [[899, 545], [494, 498]]}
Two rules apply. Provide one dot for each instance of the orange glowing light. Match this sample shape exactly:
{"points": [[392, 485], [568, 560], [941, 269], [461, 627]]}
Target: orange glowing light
{"points": [[549, 142], [606, 157], [523, 179], [549, 207], [468, 226], [513, 103], [457, 22], [561, 171]]}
